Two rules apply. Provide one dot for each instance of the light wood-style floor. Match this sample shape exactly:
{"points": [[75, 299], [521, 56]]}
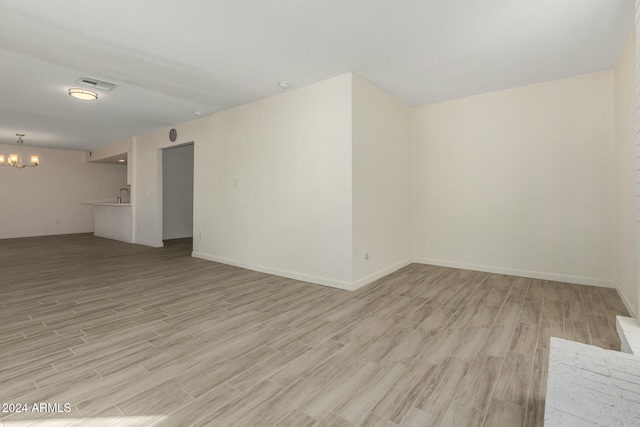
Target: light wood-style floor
{"points": [[129, 335]]}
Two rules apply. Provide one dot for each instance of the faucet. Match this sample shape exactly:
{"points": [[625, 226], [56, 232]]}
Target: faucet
{"points": [[120, 194]]}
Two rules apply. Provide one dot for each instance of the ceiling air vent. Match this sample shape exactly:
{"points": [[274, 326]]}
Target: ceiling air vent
{"points": [[96, 83]]}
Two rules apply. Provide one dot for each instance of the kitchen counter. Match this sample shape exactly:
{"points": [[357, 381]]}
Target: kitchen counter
{"points": [[106, 203], [112, 220]]}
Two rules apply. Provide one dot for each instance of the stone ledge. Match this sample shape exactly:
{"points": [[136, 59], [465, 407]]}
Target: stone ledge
{"points": [[591, 386], [629, 333]]}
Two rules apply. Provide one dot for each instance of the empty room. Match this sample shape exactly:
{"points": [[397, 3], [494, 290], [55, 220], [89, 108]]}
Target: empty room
{"points": [[290, 213]]}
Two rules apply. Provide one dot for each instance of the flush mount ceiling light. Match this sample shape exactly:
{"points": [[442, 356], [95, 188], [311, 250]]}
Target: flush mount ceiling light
{"points": [[83, 94], [15, 160]]}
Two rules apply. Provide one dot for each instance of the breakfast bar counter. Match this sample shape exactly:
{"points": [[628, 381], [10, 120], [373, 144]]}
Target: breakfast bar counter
{"points": [[112, 220]]}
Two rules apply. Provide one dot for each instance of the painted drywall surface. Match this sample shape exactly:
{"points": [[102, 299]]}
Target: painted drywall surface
{"points": [[117, 148], [46, 200], [381, 182], [147, 177], [637, 140], [291, 156], [273, 185], [177, 192], [625, 109], [113, 222], [110, 150], [519, 181], [146, 197]]}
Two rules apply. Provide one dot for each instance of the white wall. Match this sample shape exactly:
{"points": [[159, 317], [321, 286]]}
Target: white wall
{"points": [[46, 200], [637, 140], [381, 182], [110, 150], [118, 148], [291, 212], [177, 192], [146, 189], [624, 108], [519, 181]]}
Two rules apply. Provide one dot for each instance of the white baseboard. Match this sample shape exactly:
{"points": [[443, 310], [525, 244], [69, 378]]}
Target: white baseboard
{"points": [[516, 272], [159, 244], [630, 307], [385, 271], [375, 276], [283, 273], [111, 237]]}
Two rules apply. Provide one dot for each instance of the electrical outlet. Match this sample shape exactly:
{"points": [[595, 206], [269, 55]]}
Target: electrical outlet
{"points": [[236, 183]]}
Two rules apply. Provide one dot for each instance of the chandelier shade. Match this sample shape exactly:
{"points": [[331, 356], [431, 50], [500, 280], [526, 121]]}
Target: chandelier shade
{"points": [[15, 160]]}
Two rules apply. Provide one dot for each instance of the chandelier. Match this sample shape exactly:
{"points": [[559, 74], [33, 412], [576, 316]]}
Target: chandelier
{"points": [[15, 160]]}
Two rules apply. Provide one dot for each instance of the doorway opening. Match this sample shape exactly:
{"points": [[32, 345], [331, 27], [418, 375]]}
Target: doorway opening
{"points": [[177, 196]]}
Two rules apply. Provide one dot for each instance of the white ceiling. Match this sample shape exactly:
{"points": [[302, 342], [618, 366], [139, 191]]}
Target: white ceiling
{"points": [[171, 58]]}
